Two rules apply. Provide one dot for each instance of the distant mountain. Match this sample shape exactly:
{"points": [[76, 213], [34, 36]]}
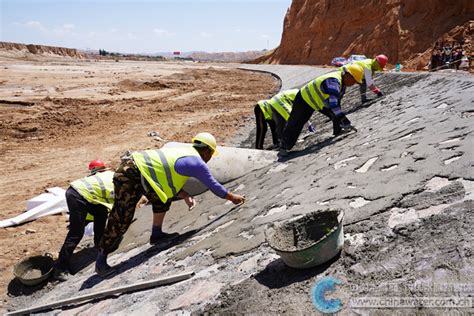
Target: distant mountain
{"points": [[229, 56], [19, 49], [236, 57]]}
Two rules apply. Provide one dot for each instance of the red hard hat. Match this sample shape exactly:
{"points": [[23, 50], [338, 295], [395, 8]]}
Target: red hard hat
{"points": [[96, 163], [382, 60]]}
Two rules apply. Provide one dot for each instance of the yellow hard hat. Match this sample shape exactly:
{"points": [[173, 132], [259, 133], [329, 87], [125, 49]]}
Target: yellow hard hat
{"points": [[356, 71], [207, 139]]}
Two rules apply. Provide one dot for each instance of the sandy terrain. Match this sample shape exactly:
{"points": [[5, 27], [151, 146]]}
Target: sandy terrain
{"points": [[57, 115]]}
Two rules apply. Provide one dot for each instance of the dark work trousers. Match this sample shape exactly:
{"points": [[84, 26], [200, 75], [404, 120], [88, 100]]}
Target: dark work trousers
{"points": [[280, 124], [128, 190], [300, 114], [262, 128], [336, 128], [363, 91], [78, 209]]}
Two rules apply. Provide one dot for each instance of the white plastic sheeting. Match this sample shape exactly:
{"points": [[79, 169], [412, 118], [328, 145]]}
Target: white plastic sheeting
{"points": [[45, 204]]}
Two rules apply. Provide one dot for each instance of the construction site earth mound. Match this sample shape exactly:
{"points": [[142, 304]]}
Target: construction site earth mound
{"points": [[404, 181]]}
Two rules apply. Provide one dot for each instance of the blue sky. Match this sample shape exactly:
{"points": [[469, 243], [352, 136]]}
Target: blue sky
{"points": [[145, 26]]}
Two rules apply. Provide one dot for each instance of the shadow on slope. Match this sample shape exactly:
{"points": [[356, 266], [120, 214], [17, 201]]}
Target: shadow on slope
{"points": [[277, 274], [150, 252]]}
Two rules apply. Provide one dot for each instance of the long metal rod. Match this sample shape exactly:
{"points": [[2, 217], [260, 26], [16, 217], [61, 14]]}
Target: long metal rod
{"points": [[124, 289]]}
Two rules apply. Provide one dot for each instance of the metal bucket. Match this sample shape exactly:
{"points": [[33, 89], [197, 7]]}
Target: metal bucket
{"points": [[309, 240], [34, 270]]}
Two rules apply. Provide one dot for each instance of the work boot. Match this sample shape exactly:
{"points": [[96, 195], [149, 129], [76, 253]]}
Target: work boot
{"points": [[274, 147], [283, 152], [60, 275], [104, 270], [162, 238], [336, 128]]}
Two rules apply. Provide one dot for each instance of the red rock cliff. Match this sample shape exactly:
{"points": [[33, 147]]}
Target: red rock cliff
{"points": [[315, 31]]}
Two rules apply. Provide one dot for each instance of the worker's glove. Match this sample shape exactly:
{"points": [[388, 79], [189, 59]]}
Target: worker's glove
{"points": [[380, 94]]}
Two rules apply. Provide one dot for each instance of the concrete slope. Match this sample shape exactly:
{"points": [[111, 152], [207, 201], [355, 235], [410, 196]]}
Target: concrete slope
{"points": [[406, 175], [290, 76]]}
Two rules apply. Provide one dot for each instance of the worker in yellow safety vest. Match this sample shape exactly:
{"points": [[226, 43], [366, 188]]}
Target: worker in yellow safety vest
{"points": [[275, 113], [160, 175], [88, 199], [322, 94], [370, 66]]}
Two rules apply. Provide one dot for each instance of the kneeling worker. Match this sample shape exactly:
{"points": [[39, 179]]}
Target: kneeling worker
{"points": [[159, 175], [370, 66], [88, 199], [275, 113], [322, 94]]}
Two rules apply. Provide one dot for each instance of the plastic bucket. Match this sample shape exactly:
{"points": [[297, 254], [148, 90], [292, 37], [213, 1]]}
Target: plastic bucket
{"points": [[309, 240], [34, 270]]}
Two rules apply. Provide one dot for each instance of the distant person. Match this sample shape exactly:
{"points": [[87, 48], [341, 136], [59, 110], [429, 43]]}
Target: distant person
{"points": [[457, 57], [435, 59], [322, 94], [275, 113], [447, 56], [371, 66], [88, 199], [160, 175]]}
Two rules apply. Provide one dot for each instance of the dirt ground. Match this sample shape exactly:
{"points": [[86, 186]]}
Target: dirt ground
{"points": [[57, 115]]}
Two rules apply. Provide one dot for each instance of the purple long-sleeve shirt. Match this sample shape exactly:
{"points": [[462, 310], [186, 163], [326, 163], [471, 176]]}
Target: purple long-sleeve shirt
{"points": [[332, 87], [193, 166]]}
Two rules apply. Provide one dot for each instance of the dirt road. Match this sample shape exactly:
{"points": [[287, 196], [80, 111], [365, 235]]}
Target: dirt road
{"points": [[56, 116]]}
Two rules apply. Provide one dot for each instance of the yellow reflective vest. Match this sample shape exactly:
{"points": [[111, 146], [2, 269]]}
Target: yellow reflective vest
{"points": [[367, 64], [96, 189], [283, 102], [157, 167], [312, 93], [266, 110]]}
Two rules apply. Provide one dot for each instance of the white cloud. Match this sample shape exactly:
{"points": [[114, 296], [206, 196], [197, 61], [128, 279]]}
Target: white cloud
{"points": [[163, 33], [33, 25], [205, 34], [64, 30], [131, 36], [265, 36]]}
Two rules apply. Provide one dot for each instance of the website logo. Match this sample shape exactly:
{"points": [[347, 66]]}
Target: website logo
{"points": [[319, 291]]}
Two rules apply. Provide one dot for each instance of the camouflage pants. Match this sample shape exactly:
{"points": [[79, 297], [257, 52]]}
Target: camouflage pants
{"points": [[128, 190]]}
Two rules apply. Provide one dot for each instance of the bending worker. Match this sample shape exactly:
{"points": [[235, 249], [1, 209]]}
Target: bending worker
{"points": [[370, 66], [322, 94], [88, 199], [275, 113], [159, 175]]}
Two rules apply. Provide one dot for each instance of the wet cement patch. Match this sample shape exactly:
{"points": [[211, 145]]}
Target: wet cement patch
{"points": [[434, 253]]}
